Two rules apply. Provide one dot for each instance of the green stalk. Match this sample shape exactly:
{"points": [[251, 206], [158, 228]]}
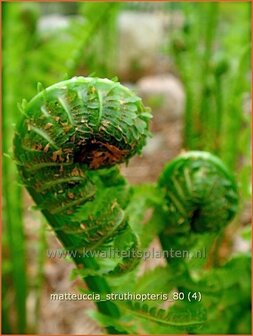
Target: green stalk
{"points": [[205, 114], [97, 284], [231, 148], [14, 35], [186, 56], [188, 121], [219, 115], [188, 112]]}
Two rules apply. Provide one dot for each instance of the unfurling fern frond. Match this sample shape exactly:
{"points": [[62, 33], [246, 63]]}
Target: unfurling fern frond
{"points": [[71, 132], [175, 316], [66, 147], [200, 193]]}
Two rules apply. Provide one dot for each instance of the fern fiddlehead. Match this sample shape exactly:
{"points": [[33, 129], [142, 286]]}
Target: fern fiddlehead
{"points": [[66, 147], [201, 198], [200, 193]]}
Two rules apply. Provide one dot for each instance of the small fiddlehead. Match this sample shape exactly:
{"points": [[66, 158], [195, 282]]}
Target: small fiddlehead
{"points": [[200, 193], [66, 147]]}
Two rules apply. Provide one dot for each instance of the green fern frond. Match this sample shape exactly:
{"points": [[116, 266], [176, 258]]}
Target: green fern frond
{"points": [[178, 318]]}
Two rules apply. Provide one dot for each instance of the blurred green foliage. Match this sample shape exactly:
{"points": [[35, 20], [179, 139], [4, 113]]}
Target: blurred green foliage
{"points": [[212, 53]]}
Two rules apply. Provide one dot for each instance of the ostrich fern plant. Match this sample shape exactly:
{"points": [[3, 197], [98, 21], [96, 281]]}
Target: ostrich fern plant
{"points": [[67, 148], [101, 210]]}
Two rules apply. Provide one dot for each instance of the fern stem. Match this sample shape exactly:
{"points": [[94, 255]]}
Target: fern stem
{"points": [[83, 130], [212, 17], [219, 114], [12, 192], [95, 283]]}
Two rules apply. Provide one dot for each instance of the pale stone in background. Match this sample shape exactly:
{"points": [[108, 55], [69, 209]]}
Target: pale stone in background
{"points": [[141, 37], [164, 94]]}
